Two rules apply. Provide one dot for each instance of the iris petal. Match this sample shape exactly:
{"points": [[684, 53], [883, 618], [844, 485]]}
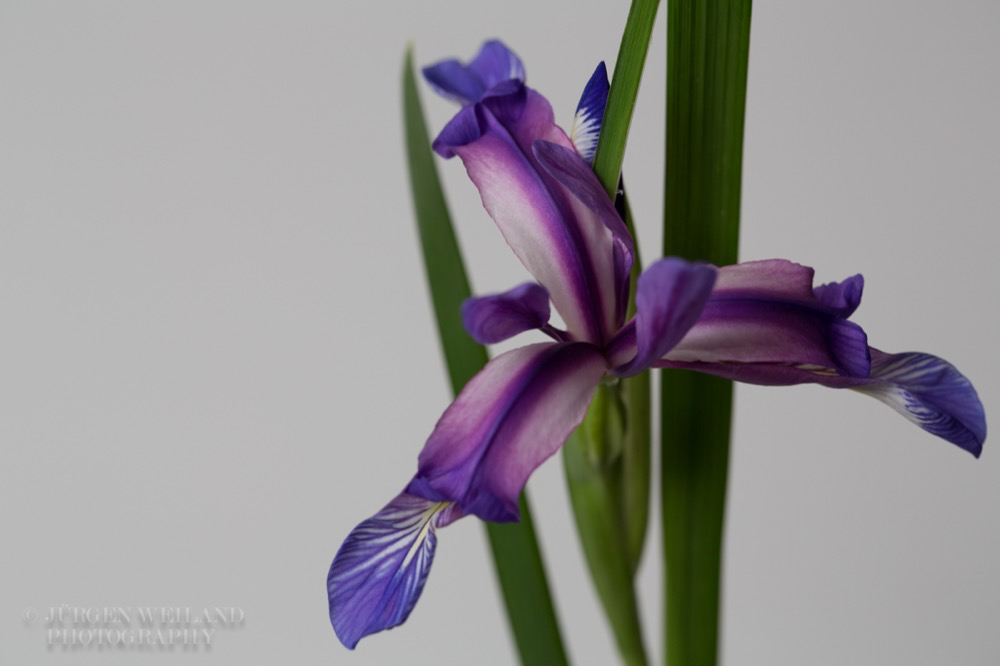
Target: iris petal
{"points": [[766, 312], [844, 297], [453, 80], [589, 116], [671, 296], [380, 570], [931, 393], [927, 390], [507, 420], [565, 244], [466, 84], [495, 63], [765, 324], [589, 200], [495, 318]]}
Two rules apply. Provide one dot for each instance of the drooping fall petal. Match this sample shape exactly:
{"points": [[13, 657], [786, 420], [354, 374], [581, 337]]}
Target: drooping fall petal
{"points": [[507, 420], [765, 324], [766, 312], [380, 570], [931, 393]]}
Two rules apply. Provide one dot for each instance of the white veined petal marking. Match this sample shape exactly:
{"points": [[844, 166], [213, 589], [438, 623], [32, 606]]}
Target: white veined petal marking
{"points": [[380, 570], [427, 525], [931, 393], [586, 129], [585, 133]]}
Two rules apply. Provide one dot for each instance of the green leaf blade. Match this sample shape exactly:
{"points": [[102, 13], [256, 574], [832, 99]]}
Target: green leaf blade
{"points": [[623, 93], [707, 57], [516, 554], [443, 263]]}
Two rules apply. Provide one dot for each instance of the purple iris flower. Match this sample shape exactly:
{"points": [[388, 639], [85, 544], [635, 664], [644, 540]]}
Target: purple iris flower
{"points": [[759, 322]]}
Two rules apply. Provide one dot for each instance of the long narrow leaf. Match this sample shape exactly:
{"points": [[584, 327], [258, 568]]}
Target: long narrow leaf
{"points": [[707, 52], [516, 554], [624, 90]]}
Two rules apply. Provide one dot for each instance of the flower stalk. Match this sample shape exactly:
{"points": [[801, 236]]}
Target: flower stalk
{"points": [[635, 468], [610, 493], [592, 459]]}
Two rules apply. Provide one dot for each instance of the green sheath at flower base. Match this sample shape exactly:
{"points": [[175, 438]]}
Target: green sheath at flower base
{"points": [[636, 447], [610, 495], [518, 560], [592, 460]]}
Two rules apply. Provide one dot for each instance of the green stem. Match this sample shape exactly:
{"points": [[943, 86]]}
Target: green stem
{"points": [[610, 492], [592, 459], [518, 560], [636, 465], [707, 52], [610, 497], [635, 468]]}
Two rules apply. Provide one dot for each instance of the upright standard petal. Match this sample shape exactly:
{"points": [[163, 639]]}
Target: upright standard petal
{"points": [[380, 570], [589, 201], [586, 129], [506, 421], [466, 84], [670, 297], [568, 248], [494, 318]]}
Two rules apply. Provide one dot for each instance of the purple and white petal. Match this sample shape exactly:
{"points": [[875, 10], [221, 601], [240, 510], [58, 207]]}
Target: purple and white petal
{"points": [[586, 129], [932, 393], [766, 313], [591, 203], [565, 246], [495, 318], [925, 389], [670, 298], [467, 84], [773, 279], [380, 570], [507, 420]]}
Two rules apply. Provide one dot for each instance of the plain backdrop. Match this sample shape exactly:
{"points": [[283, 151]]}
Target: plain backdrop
{"points": [[217, 355]]}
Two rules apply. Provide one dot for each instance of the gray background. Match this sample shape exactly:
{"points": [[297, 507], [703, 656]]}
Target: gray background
{"points": [[217, 354]]}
